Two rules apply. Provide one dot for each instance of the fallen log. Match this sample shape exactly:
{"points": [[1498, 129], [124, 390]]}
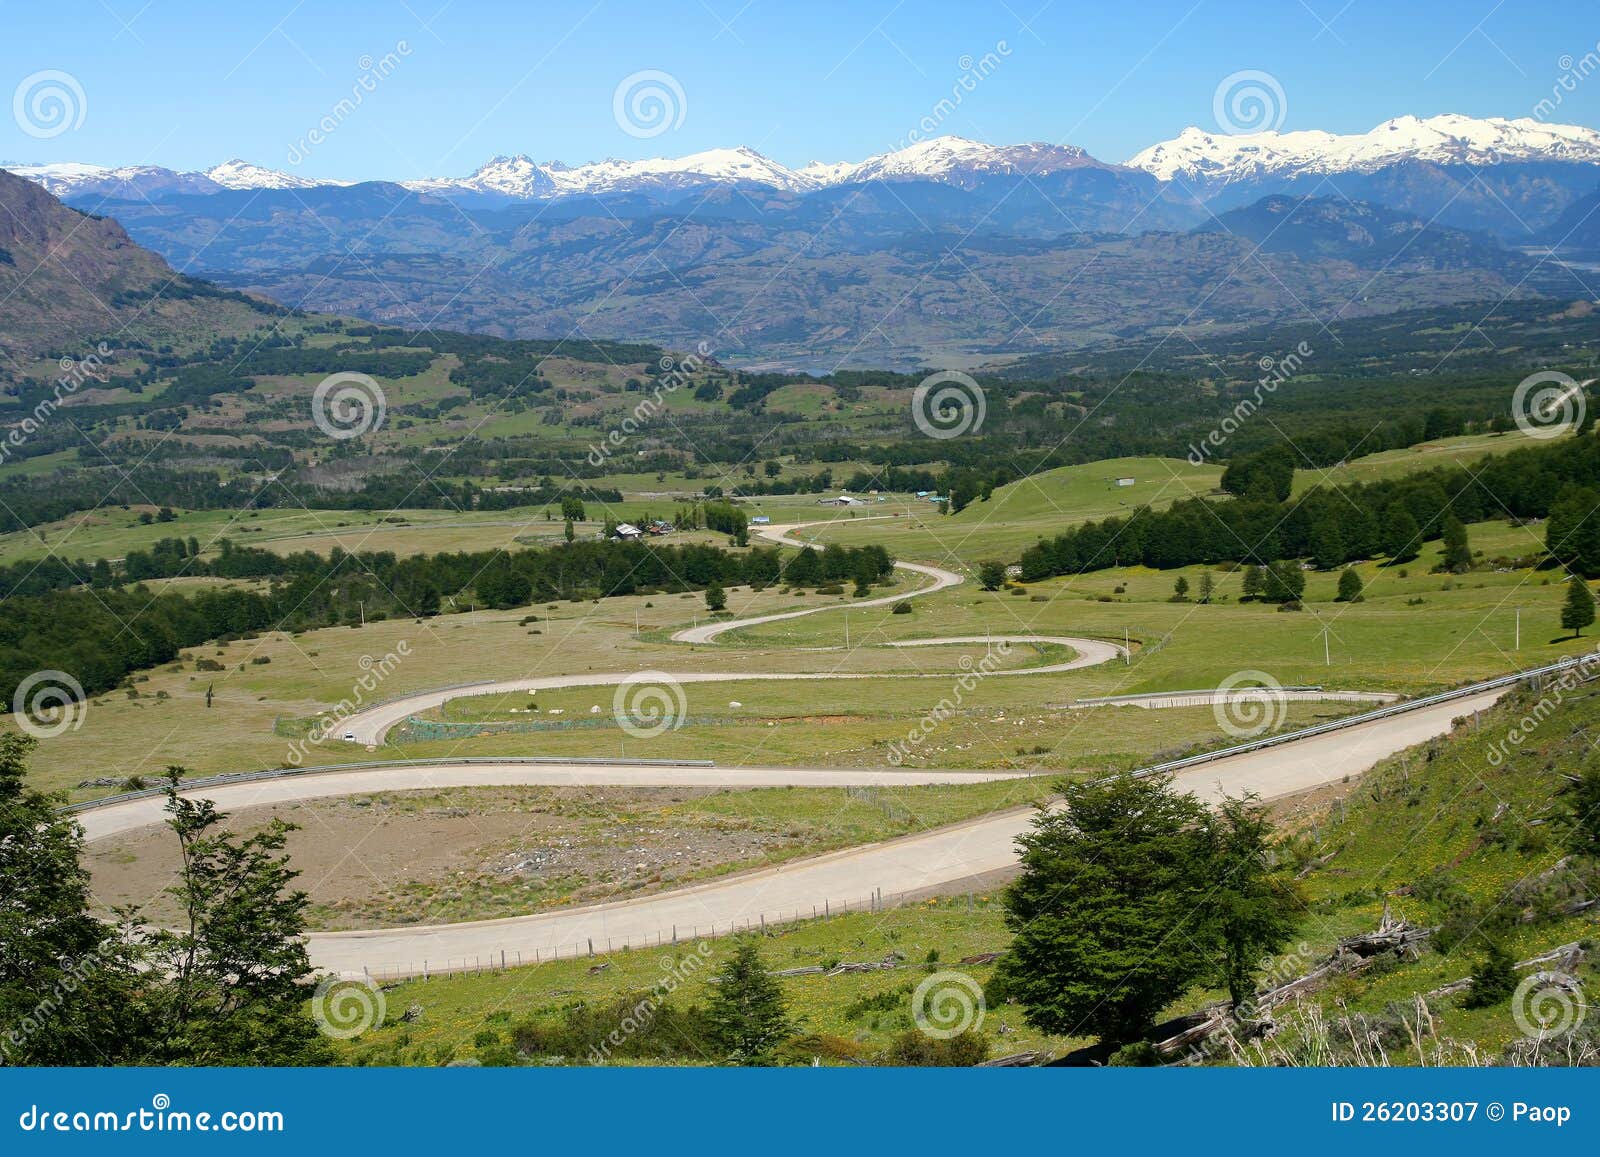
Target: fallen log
{"points": [[1015, 1061]]}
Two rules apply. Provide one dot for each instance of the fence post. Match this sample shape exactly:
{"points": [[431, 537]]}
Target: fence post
{"points": [[591, 948]]}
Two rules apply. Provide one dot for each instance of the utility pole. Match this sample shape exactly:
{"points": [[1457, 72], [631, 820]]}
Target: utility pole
{"points": [[363, 606], [1127, 649], [1326, 661], [1518, 645]]}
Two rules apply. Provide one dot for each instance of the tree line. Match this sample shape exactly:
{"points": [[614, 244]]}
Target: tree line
{"points": [[99, 630], [1262, 524]]}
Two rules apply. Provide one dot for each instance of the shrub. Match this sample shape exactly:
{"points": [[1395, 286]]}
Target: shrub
{"points": [[917, 1049], [1138, 1055], [902, 607]]}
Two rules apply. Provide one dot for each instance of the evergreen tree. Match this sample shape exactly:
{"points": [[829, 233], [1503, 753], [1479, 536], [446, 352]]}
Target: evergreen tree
{"points": [[1494, 979], [233, 975], [1327, 543], [1180, 590], [1107, 913], [804, 569], [1252, 908], [1402, 537], [1284, 582], [1349, 586], [1577, 612], [1572, 533], [68, 991], [1457, 551], [1581, 823], [1254, 578], [1267, 476], [746, 1008], [716, 598]]}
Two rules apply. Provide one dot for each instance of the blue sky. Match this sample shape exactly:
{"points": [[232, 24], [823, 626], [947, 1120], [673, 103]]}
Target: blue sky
{"points": [[186, 84]]}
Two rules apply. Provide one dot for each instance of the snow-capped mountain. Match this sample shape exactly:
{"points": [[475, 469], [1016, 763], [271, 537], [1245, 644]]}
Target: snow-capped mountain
{"points": [[237, 174], [71, 179], [524, 179], [958, 161], [1214, 160], [1199, 162]]}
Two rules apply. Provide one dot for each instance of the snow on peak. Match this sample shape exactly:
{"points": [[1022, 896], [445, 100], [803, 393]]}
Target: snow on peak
{"points": [[958, 160], [1195, 156], [237, 174], [1448, 139]]}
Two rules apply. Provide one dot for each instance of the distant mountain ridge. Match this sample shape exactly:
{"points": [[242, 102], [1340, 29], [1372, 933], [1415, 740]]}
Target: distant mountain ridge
{"points": [[1204, 162]]}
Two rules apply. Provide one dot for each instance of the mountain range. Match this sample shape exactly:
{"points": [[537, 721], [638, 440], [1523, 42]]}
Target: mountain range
{"points": [[1204, 163], [945, 249]]}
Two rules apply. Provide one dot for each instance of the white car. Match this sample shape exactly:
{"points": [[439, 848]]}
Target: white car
{"points": [[349, 736]]}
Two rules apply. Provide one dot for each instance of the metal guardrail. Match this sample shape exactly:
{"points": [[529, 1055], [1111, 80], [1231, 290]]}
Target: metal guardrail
{"points": [[1241, 691], [1589, 660], [370, 764]]}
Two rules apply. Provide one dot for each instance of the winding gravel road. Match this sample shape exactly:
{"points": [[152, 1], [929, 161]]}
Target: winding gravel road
{"points": [[846, 878], [851, 877], [370, 726]]}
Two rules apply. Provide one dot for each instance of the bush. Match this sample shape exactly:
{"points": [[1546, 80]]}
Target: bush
{"points": [[1138, 1055], [1493, 980], [902, 607], [916, 1049], [594, 1033]]}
